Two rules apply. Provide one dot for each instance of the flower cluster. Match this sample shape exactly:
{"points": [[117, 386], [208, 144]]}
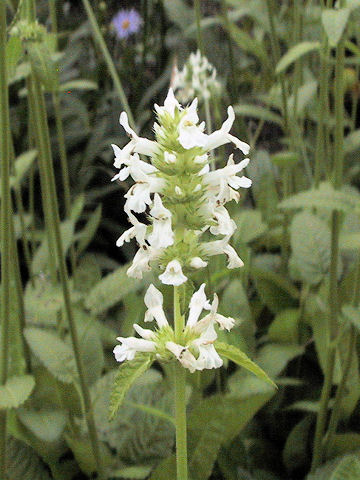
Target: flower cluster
{"points": [[195, 349], [196, 79], [181, 195]]}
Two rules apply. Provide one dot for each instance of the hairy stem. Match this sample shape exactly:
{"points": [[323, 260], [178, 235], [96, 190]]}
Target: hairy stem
{"points": [[180, 397], [5, 230]]}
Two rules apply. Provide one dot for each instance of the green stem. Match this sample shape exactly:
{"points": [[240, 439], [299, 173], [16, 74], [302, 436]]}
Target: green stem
{"points": [[323, 408], [110, 64], [335, 231], [199, 37], [336, 410], [25, 243], [180, 398], [322, 117], [5, 230], [48, 172], [64, 168]]}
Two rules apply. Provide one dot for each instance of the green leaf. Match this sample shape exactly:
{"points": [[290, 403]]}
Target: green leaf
{"points": [[296, 52], [334, 23], [352, 315], [43, 301], [350, 241], [344, 443], [40, 259], [77, 207], [295, 453], [275, 357], [249, 44], [250, 226], [53, 353], [16, 391], [22, 164], [135, 473], [310, 239], [256, 111], [43, 65], [214, 422], [347, 469], [128, 372], [84, 453], [240, 358], [284, 327], [47, 424], [325, 197], [352, 142], [112, 289], [23, 463], [285, 159], [88, 232], [78, 84]]}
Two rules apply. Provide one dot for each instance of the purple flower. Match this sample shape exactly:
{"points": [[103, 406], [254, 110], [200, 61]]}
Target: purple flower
{"points": [[126, 22]]}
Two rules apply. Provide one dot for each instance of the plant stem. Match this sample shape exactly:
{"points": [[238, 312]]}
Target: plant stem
{"points": [[180, 397], [5, 230], [48, 172], [335, 231], [199, 37], [336, 410], [107, 57]]}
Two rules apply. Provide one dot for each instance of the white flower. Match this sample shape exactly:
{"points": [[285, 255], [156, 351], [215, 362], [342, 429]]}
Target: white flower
{"points": [[185, 357], [197, 262], [170, 104], [154, 302], [225, 224], [138, 196], [122, 156], [138, 231], [144, 332], [226, 323], [197, 304], [173, 274], [222, 246], [208, 358], [169, 157], [138, 144], [140, 263], [162, 235], [190, 134], [228, 174], [130, 346], [222, 136]]}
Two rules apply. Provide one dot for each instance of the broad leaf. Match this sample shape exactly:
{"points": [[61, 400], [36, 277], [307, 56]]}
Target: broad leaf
{"points": [[310, 244], [23, 463], [128, 372], [261, 113], [16, 391], [46, 424], [296, 52], [240, 358], [325, 197], [347, 469], [334, 23], [53, 353]]}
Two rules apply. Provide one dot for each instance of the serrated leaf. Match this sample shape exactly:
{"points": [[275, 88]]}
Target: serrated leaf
{"points": [[325, 197], [216, 421], [53, 353], [310, 239], [128, 372], [112, 289], [284, 327], [296, 52], [240, 358], [23, 463], [16, 391], [334, 23]]}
